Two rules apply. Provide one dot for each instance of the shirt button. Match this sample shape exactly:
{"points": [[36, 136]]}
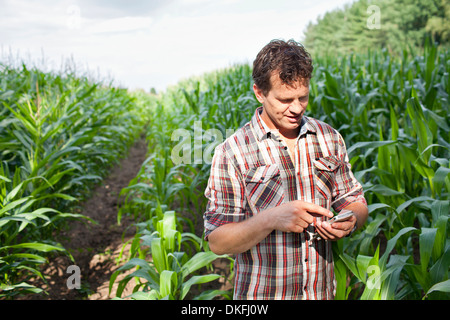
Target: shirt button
{"points": [[285, 148]]}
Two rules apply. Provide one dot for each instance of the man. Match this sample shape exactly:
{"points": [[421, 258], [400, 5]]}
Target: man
{"points": [[273, 183]]}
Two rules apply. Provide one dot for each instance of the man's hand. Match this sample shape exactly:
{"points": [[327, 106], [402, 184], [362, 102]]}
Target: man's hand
{"points": [[296, 216], [341, 229], [336, 230]]}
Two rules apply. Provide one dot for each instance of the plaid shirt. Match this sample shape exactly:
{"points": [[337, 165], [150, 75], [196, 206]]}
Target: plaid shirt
{"points": [[253, 171]]}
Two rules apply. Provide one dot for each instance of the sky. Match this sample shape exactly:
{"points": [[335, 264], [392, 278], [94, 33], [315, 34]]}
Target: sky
{"points": [[152, 43]]}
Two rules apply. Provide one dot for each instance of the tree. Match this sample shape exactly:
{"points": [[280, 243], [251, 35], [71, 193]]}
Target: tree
{"points": [[391, 24]]}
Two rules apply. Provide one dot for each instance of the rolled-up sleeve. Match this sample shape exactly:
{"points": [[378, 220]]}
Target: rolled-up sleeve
{"points": [[225, 193], [347, 189]]}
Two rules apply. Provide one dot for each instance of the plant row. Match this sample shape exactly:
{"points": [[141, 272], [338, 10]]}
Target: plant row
{"points": [[393, 113], [59, 135]]}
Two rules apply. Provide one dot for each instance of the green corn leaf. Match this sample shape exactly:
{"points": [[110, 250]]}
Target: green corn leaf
{"points": [[5, 220], [144, 270], [362, 263], [394, 125], [35, 246], [383, 190], [20, 286], [210, 294], [151, 295], [441, 236], [426, 242], [13, 193], [159, 255], [199, 260], [369, 144], [178, 259], [12, 205], [391, 243], [443, 286], [439, 177], [375, 206], [370, 232], [390, 278], [168, 284], [135, 262], [26, 141], [27, 256], [440, 208], [442, 122], [373, 283], [186, 286], [439, 271], [340, 271], [424, 135], [171, 238], [4, 178], [405, 204]]}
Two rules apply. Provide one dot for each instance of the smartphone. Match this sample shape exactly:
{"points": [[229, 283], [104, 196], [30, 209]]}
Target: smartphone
{"points": [[342, 216]]}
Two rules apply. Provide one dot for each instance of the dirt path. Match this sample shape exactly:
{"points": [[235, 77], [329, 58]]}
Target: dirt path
{"points": [[95, 247]]}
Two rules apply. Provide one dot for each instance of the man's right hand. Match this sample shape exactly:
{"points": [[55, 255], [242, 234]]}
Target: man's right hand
{"points": [[295, 216]]}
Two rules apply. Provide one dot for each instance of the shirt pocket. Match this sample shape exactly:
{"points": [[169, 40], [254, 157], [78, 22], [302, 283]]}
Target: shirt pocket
{"points": [[325, 175], [264, 187]]}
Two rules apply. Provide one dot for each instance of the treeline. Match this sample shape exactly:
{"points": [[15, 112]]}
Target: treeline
{"points": [[390, 24]]}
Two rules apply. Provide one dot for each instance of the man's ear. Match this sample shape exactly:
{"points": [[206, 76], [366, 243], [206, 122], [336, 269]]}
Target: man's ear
{"points": [[258, 93]]}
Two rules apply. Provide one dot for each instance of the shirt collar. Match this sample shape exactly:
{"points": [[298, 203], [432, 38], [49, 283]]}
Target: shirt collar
{"points": [[263, 131]]}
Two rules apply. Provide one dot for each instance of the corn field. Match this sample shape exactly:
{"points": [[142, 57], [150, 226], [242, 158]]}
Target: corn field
{"points": [[59, 135]]}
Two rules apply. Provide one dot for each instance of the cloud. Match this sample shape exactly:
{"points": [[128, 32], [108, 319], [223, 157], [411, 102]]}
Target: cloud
{"points": [[153, 43], [111, 9]]}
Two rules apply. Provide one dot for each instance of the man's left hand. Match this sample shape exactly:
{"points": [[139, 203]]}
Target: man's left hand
{"points": [[335, 231]]}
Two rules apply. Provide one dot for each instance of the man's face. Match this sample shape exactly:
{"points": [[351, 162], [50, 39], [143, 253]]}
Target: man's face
{"points": [[283, 105]]}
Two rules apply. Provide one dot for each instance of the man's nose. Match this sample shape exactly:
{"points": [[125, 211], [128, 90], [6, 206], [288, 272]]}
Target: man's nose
{"points": [[296, 107]]}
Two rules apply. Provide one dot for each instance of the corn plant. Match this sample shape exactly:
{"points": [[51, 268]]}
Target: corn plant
{"points": [[19, 261], [171, 272], [383, 279]]}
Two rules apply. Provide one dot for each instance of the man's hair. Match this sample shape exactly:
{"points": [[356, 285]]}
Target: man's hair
{"points": [[289, 59]]}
